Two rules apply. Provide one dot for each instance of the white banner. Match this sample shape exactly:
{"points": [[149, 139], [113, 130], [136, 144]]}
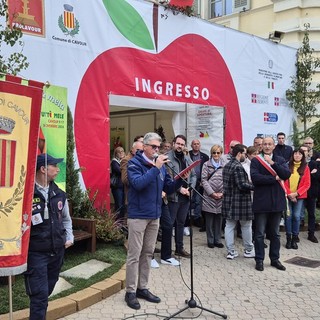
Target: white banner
{"points": [[135, 49]]}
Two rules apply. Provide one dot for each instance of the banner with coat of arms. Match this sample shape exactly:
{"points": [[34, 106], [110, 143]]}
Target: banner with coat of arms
{"points": [[20, 106]]}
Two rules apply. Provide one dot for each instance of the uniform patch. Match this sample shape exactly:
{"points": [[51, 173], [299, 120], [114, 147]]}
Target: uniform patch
{"points": [[60, 205], [36, 219]]}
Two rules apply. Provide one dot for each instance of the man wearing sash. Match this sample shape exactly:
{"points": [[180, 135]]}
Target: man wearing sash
{"points": [[268, 172]]}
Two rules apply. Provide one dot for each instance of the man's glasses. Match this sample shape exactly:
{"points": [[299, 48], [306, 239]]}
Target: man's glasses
{"points": [[153, 146], [308, 142], [216, 152]]}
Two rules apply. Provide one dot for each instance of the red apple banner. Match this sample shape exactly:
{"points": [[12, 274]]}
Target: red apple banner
{"points": [[134, 53], [20, 106]]}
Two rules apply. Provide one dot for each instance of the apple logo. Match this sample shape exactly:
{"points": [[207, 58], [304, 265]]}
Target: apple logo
{"points": [[192, 68]]}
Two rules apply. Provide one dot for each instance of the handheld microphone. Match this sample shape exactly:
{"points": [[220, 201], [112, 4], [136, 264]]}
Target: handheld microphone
{"points": [[155, 156]]}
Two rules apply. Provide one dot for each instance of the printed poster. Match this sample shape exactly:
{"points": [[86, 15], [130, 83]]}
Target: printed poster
{"points": [[53, 128]]}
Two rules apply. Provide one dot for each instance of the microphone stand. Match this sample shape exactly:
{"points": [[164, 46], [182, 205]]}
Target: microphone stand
{"points": [[191, 303]]}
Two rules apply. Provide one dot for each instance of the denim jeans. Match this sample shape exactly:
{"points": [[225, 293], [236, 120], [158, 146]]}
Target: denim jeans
{"points": [[166, 227], [179, 211], [40, 278], [292, 222], [261, 220], [119, 202], [246, 234]]}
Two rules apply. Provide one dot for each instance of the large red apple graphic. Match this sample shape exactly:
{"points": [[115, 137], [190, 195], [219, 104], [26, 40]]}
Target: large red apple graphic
{"points": [[190, 69]]}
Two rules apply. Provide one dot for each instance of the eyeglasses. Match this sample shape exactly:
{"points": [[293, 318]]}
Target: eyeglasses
{"points": [[308, 142], [153, 146], [216, 152]]}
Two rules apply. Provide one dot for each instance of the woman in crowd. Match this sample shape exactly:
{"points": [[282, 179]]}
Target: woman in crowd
{"points": [[296, 188], [211, 179], [117, 186]]}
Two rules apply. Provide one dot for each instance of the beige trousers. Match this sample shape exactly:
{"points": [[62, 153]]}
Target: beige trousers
{"points": [[142, 236]]}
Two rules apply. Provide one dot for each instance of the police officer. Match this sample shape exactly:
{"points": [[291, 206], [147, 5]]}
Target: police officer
{"points": [[51, 233]]}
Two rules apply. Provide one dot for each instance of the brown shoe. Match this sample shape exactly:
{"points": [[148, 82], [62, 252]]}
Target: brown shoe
{"points": [[183, 253]]}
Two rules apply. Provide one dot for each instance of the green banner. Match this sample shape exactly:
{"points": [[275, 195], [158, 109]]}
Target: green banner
{"points": [[53, 128]]}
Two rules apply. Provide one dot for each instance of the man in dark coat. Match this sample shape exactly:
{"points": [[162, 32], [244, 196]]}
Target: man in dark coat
{"points": [[268, 171], [311, 200], [236, 202], [196, 154], [281, 149]]}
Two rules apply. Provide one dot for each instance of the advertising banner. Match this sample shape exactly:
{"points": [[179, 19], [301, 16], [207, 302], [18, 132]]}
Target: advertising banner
{"points": [[19, 126], [53, 125], [139, 50]]}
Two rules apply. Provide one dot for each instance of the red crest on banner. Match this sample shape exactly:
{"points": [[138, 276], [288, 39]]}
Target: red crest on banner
{"points": [[19, 128]]}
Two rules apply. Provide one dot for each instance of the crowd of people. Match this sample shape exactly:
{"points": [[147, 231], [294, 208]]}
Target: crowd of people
{"points": [[248, 189]]}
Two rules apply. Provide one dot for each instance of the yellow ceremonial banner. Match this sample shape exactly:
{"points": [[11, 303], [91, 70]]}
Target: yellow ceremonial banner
{"points": [[15, 114]]}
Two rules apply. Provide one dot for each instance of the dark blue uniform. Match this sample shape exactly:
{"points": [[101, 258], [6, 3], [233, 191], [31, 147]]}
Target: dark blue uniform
{"points": [[46, 248]]}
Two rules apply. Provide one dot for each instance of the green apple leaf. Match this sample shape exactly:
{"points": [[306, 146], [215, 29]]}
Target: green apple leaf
{"points": [[129, 23]]}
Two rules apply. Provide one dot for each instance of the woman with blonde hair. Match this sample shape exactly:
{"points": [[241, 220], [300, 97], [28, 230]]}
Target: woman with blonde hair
{"points": [[211, 179]]}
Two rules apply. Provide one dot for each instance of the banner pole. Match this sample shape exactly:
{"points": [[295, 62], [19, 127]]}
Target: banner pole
{"points": [[10, 298]]}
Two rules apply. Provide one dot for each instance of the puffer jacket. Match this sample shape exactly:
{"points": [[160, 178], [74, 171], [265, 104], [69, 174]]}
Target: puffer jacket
{"points": [[146, 183]]}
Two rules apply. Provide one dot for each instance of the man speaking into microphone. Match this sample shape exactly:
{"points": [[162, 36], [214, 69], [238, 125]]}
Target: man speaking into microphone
{"points": [[147, 179]]}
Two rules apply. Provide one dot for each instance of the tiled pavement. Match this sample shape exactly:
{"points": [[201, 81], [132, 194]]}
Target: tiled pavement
{"points": [[234, 287]]}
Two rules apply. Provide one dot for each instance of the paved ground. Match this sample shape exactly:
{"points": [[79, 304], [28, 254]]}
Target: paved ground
{"points": [[234, 288]]}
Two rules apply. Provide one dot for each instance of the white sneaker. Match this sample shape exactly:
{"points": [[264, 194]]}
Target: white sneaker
{"points": [[171, 261], [232, 255], [282, 222], [249, 254], [186, 231], [154, 263]]}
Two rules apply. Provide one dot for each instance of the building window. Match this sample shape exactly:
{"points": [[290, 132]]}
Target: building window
{"points": [[220, 8]]}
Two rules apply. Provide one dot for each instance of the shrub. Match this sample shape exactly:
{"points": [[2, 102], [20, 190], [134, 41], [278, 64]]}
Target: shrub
{"points": [[108, 227]]}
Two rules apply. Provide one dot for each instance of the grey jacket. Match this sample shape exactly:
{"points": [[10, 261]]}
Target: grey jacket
{"points": [[175, 165]]}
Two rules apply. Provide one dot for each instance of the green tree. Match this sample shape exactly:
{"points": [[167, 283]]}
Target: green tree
{"points": [[314, 132], [73, 188], [302, 97], [15, 61]]}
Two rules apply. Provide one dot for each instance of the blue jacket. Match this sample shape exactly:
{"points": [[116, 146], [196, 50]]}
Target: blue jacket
{"points": [[146, 183], [268, 195]]}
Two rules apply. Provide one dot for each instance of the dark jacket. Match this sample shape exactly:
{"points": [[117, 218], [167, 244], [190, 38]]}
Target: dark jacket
{"points": [[116, 171], [313, 191], [146, 183], [268, 194], [283, 151], [174, 167], [236, 202], [204, 158], [49, 235]]}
